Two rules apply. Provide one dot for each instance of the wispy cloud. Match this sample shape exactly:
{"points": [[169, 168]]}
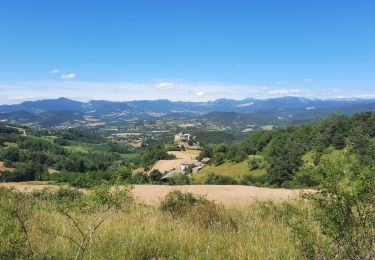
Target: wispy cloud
{"points": [[153, 89], [284, 91], [368, 95], [308, 80], [68, 76], [166, 85], [55, 71]]}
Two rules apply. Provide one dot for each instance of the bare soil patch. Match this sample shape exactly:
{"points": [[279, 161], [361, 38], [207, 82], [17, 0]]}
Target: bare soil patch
{"points": [[52, 171], [168, 165], [5, 169]]}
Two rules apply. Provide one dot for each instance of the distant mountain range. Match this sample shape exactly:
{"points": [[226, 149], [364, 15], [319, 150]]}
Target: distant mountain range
{"points": [[52, 112]]}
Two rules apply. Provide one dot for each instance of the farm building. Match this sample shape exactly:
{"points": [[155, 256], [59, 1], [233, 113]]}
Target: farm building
{"points": [[182, 137]]}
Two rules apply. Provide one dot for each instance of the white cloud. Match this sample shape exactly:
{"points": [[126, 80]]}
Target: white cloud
{"points": [[172, 89], [20, 97], [166, 85], [284, 91], [68, 76], [369, 95], [309, 80], [55, 71]]}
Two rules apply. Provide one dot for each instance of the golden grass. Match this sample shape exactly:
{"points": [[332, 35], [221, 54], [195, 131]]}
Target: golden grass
{"points": [[230, 196], [145, 232]]}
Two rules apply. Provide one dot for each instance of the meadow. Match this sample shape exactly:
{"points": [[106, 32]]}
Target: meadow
{"points": [[139, 231]]}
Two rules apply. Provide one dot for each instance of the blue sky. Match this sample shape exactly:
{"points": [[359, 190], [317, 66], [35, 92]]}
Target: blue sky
{"points": [[186, 50]]}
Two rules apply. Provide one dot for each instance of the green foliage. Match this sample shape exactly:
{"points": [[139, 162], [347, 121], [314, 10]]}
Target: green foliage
{"points": [[179, 179], [172, 147], [212, 178], [28, 171], [11, 154], [82, 136], [15, 214], [139, 178], [253, 180], [155, 177], [253, 164], [85, 180], [83, 214], [8, 130], [343, 214], [257, 141], [207, 152], [197, 209], [179, 203], [207, 138], [284, 157], [153, 154]]}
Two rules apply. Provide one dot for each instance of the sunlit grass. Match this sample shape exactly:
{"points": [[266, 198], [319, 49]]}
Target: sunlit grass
{"points": [[234, 170], [145, 232]]}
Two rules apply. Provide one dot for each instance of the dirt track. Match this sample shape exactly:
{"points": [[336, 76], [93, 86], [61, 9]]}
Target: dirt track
{"points": [[228, 195]]}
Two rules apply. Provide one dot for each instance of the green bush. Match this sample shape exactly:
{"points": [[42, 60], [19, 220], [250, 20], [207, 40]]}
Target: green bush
{"points": [[198, 209], [342, 220], [179, 179], [178, 203], [212, 178], [139, 178]]}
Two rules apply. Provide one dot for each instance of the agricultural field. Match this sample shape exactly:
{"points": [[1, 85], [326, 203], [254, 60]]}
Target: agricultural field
{"points": [[234, 170], [236, 196]]}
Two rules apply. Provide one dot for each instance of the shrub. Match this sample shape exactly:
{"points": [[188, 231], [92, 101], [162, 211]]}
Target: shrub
{"points": [[209, 214], [179, 179], [343, 212], [16, 211], [139, 178], [212, 178], [198, 209], [253, 164], [155, 176], [178, 203]]}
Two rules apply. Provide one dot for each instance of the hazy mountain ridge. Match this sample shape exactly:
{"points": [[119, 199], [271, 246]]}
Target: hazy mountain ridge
{"points": [[284, 110]]}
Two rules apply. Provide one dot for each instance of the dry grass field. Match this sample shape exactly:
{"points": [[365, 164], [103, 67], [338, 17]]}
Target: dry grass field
{"points": [[227, 195]]}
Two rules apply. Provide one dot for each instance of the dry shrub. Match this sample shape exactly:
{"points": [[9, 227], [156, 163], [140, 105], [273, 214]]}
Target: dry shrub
{"points": [[197, 209]]}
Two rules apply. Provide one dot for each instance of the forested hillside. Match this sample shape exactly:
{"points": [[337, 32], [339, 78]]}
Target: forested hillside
{"points": [[286, 157], [290, 156]]}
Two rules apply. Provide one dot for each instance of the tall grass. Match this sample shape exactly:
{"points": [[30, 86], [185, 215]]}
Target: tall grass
{"points": [[143, 232]]}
